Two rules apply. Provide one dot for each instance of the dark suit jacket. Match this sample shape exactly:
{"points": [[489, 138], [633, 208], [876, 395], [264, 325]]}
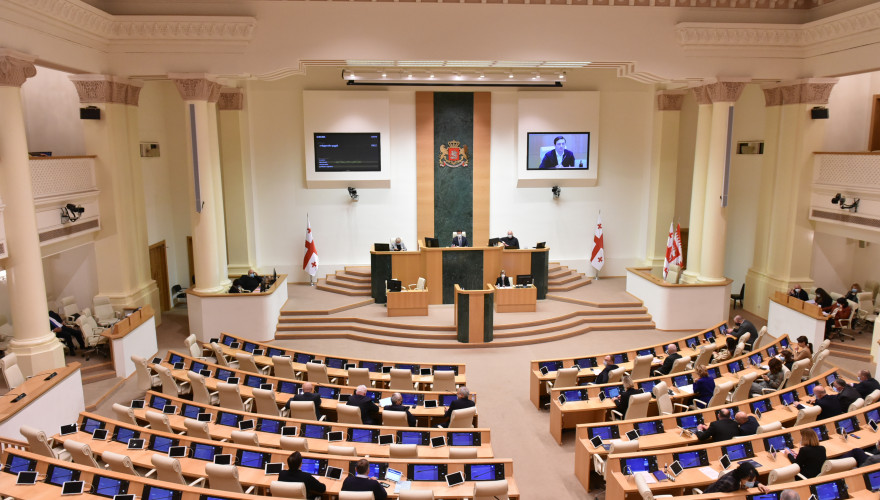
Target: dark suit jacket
{"points": [[503, 282], [308, 396], [248, 283], [511, 242], [550, 160], [410, 419], [846, 397], [668, 362], [719, 430], [801, 295], [750, 427], [458, 404], [810, 458], [462, 243], [355, 483], [746, 327], [602, 377], [313, 486], [622, 404], [867, 387], [830, 407], [369, 409]]}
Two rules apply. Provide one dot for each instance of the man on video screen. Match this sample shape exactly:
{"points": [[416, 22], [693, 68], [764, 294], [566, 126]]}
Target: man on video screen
{"points": [[559, 156]]}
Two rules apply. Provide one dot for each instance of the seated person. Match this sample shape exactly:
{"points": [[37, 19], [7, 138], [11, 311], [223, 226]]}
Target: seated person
{"points": [[864, 459], [308, 394], [742, 327], [799, 293], [510, 240], [704, 386], [803, 350], [744, 476], [841, 311], [397, 405], [236, 287], [846, 394], [314, 488], [748, 425], [362, 482], [621, 403], [829, 404], [460, 240], [602, 377], [398, 245], [810, 457], [823, 300], [369, 409], [720, 430], [503, 280], [867, 384], [853, 293], [461, 403], [250, 281], [770, 380], [66, 333], [787, 358], [666, 367]]}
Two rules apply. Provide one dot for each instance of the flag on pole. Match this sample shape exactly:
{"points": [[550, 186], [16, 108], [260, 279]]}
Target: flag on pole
{"points": [[670, 241], [310, 261], [597, 259], [677, 257]]}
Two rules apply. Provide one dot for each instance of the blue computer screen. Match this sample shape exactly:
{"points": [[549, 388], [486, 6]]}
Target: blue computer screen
{"points": [[272, 426], [327, 392], [821, 433], [784, 343], [156, 493], [873, 415], [227, 340], [311, 465], [336, 363], [789, 397], [90, 424], [175, 358], [410, 437], [197, 366], [222, 374], [483, 472], [735, 366], [252, 459], [302, 357], [108, 487], [204, 451], [410, 399], [680, 380], [688, 421], [288, 387], [362, 436], [228, 419], [249, 346], [272, 352], [777, 442], [190, 411], [691, 342], [426, 473], [414, 369], [689, 459], [645, 352], [620, 358], [846, 424], [18, 464], [447, 399], [158, 403], [123, 434], [647, 428], [648, 386], [737, 452], [809, 387], [61, 475], [462, 438], [756, 358], [714, 372], [371, 366], [772, 351], [253, 381], [612, 392], [315, 431], [761, 405], [640, 464], [605, 432], [374, 395], [573, 395], [549, 365], [872, 479], [828, 491], [161, 443], [586, 362]]}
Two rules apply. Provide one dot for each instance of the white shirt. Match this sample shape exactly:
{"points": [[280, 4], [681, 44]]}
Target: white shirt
{"points": [[559, 158]]}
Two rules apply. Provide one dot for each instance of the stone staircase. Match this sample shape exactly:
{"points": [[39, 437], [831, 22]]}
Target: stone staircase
{"points": [[97, 372], [354, 281], [562, 279]]}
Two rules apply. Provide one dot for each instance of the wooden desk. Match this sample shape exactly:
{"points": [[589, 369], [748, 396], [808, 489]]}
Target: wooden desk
{"points": [[47, 404], [515, 299], [408, 303], [474, 321], [134, 335]]}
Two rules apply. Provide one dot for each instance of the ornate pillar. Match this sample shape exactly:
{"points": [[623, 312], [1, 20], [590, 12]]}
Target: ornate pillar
{"points": [[784, 243], [122, 246], [664, 165], [722, 94], [234, 164], [698, 187], [209, 242], [36, 346]]}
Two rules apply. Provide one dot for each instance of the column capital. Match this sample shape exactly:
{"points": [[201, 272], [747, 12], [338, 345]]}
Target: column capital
{"points": [[701, 93], [103, 89], [196, 86], [231, 99], [803, 91], [15, 68], [725, 89], [670, 100]]}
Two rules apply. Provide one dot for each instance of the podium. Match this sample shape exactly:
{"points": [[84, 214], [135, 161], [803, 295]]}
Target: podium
{"points": [[408, 303], [474, 319]]}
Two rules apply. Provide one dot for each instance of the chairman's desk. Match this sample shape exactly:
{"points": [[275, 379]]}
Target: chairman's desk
{"points": [[222, 425], [469, 267], [512, 299], [592, 365], [425, 416], [297, 356], [408, 303], [672, 435], [572, 413], [256, 476], [620, 485]]}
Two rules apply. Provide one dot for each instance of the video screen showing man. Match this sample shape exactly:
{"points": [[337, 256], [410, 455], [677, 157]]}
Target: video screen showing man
{"points": [[559, 156], [558, 150]]}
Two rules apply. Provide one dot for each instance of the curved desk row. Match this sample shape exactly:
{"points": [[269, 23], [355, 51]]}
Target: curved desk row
{"points": [[47, 400]]}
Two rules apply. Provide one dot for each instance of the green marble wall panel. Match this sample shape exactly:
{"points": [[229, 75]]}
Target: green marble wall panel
{"points": [[464, 311], [540, 272], [380, 269], [453, 186], [488, 317], [462, 267]]}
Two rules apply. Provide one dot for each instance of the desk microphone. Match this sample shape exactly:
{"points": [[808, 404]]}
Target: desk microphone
{"points": [[19, 397], [51, 376]]}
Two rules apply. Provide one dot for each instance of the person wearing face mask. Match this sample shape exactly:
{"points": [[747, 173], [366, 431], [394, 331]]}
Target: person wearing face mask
{"points": [[503, 280], [250, 281], [510, 241], [744, 476], [854, 292], [602, 377], [811, 456], [799, 292]]}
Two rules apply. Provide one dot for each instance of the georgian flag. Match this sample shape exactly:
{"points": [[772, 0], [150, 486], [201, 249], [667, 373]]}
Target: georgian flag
{"points": [[597, 259], [676, 257], [310, 261], [670, 241]]}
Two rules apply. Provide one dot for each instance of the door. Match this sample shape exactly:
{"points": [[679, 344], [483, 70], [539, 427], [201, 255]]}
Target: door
{"points": [[159, 272], [189, 257], [874, 138]]}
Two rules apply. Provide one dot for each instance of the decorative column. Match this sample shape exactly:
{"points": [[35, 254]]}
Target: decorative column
{"points": [[698, 187], [121, 247], [36, 346], [785, 237], [664, 165], [235, 167], [209, 240], [722, 94]]}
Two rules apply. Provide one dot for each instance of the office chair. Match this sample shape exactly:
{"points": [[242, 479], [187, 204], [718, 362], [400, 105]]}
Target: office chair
{"points": [[146, 379], [265, 401], [169, 385], [38, 443], [304, 410], [401, 380], [291, 443], [200, 391], [738, 297], [125, 414], [346, 451], [394, 418], [641, 368], [159, 421], [249, 438], [490, 490], [284, 368], [356, 495], [11, 371], [404, 451], [317, 373], [230, 397], [168, 469], [246, 362], [81, 453], [361, 376], [225, 477], [197, 429], [348, 414], [837, 465], [463, 419], [283, 489], [444, 380]]}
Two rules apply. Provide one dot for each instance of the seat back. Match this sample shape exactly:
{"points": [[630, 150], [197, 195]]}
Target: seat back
{"points": [[615, 375], [347, 451], [246, 362], [463, 419], [124, 414], [90, 330], [169, 385], [855, 405], [105, 312], [769, 427], [566, 377], [823, 346], [762, 334], [664, 402], [119, 463], [167, 469], [401, 380], [192, 345], [230, 396], [786, 374], [837, 465], [638, 406], [218, 353], [361, 376], [11, 372], [199, 388], [245, 437], [283, 367], [680, 365], [303, 410], [356, 495], [719, 397], [744, 387], [394, 418], [197, 429], [416, 494], [317, 373], [462, 452], [37, 441], [81, 453], [444, 380], [223, 477], [144, 377], [807, 415], [744, 339], [797, 372], [404, 451], [420, 283], [783, 474], [621, 446], [705, 355], [348, 414], [159, 421], [291, 443], [641, 367], [643, 488], [872, 398], [265, 401], [490, 490], [283, 489], [820, 358]]}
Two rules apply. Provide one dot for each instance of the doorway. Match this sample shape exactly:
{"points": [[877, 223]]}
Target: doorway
{"points": [[189, 257], [874, 137], [159, 273]]}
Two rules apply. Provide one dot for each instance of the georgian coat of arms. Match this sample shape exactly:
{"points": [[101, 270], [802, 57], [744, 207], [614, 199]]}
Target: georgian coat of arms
{"points": [[455, 155]]}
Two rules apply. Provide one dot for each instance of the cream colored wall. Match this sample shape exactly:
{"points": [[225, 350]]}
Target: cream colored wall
{"points": [[687, 133], [72, 272], [849, 118], [51, 107]]}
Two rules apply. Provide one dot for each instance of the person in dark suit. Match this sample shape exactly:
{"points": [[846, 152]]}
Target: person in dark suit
{"points": [[314, 488], [463, 401], [502, 280], [830, 404], [748, 425], [672, 355], [308, 394], [369, 409], [361, 482], [799, 293], [742, 327], [602, 377], [704, 387], [510, 240], [460, 240], [65, 333], [250, 281], [867, 384], [846, 394], [559, 156], [621, 403], [720, 430], [810, 457], [397, 405]]}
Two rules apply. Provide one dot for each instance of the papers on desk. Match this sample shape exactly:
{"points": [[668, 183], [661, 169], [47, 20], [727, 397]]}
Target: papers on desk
{"points": [[649, 478], [384, 402], [597, 371], [402, 486], [709, 472], [656, 361], [687, 389], [764, 367]]}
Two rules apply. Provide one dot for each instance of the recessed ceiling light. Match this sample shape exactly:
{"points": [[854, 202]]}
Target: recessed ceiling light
{"points": [[510, 75]]}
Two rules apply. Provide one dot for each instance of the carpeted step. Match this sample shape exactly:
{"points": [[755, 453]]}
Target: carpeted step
{"points": [[581, 281], [564, 280], [334, 281], [343, 276], [362, 271], [323, 285], [559, 273]]}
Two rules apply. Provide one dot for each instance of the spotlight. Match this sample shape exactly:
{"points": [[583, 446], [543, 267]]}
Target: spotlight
{"points": [[353, 193], [556, 192], [841, 200], [71, 213]]}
